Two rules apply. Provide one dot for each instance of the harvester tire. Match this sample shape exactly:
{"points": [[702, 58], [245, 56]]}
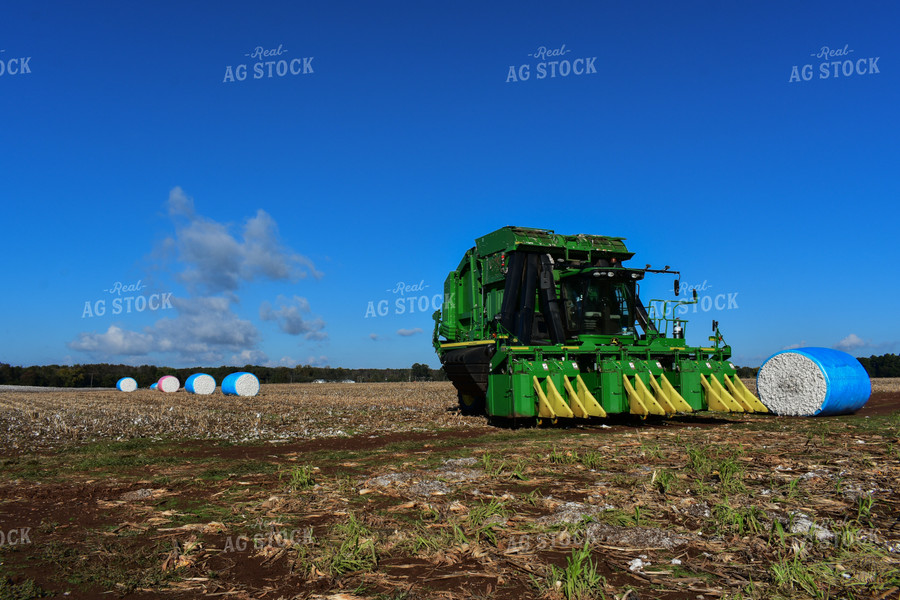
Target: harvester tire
{"points": [[471, 406]]}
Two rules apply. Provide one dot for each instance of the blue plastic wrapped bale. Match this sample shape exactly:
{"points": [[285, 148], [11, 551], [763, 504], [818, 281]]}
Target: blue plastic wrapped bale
{"points": [[126, 384], [240, 384], [808, 382], [153, 386], [200, 383]]}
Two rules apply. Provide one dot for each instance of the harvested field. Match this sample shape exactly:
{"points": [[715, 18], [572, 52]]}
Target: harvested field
{"points": [[385, 491]]}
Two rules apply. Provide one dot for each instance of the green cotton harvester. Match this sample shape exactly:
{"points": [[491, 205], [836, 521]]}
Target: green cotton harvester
{"points": [[540, 325]]}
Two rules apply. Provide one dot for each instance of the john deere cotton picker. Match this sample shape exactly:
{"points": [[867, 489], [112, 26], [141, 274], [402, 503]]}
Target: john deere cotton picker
{"points": [[540, 325]]}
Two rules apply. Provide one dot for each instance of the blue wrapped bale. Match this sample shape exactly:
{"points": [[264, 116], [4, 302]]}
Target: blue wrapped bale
{"points": [[153, 386], [240, 384], [200, 383], [126, 384], [808, 382]]}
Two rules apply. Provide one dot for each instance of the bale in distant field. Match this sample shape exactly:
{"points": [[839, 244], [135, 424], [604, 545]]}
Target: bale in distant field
{"points": [[807, 382], [200, 383], [168, 383], [153, 386], [240, 384], [126, 384]]}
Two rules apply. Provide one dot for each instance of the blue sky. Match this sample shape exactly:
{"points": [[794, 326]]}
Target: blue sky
{"points": [[274, 210]]}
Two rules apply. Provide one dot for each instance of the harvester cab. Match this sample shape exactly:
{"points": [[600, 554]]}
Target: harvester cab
{"points": [[540, 325]]}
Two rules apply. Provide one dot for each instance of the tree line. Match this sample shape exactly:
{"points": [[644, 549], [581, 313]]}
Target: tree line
{"points": [[106, 375], [886, 365]]}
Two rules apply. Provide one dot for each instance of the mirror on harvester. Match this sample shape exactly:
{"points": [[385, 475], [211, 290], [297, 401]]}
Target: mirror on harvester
{"points": [[677, 286]]}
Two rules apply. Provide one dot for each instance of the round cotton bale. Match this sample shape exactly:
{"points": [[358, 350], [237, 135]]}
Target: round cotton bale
{"points": [[806, 382], [153, 386], [240, 384], [126, 384], [200, 383], [168, 384]]}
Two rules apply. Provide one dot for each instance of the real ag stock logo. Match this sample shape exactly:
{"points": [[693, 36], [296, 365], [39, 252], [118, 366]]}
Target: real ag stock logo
{"points": [[408, 297], [17, 65], [554, 62], [15, 537], [126, 298], [269, 63], [835, 63]]}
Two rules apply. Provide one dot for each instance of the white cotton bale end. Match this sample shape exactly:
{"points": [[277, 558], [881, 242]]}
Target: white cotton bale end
{"points": [[126, 384], [168, 384], [807, 382], [200, 383], [240, 384]]}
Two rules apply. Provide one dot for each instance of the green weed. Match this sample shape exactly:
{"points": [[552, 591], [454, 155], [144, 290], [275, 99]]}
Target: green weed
{"points": [[864, 506], [497, 467], [299, 477], [567, 457], [651, 450], [664, 480], [794, 575], [580, 580], [357, 548], [24, 590], [485, 516], [723, 462], [592, 460], [740, 521]]}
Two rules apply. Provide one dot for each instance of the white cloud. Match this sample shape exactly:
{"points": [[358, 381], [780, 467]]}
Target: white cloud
{"points": [[205, 327], [211, 257], [802, 344], [264, 255], [317, 361], [204, 331], [409, 332], [115, 341], [850, 343], [214, 264], [180, 204], [249, 357], [214, 260], [290, 317], [285, 361]]}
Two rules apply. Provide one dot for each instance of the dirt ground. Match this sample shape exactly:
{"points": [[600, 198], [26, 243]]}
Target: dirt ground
{"points": [[385, 491]]}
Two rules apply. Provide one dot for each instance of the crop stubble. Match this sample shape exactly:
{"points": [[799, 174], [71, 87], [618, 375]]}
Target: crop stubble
{"points": [[385, 489]]}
